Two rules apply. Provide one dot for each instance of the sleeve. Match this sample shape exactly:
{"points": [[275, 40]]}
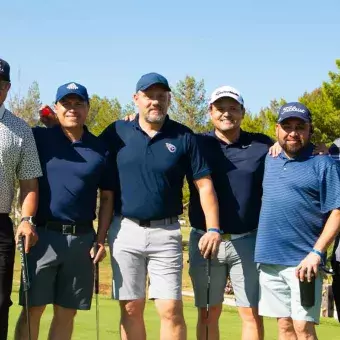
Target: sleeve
{"points": [[29, 164], [330, 188], [108, 137], [334, 150], [198, 166], [108, 178]]}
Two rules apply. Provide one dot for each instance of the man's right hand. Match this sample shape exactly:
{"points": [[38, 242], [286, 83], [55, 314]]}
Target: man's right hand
{"points": [[209, 244], [28, 231], [48, 116]]}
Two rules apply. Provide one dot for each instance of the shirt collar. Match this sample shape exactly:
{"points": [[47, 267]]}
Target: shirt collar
{"points": [[61, 133], [2, 111], [243, 140]]}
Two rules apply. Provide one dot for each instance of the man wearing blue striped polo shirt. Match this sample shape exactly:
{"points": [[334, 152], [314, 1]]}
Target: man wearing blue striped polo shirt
{"points": [[299, 219]]}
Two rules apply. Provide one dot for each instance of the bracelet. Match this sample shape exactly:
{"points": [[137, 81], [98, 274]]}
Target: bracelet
{"points": [[317, 252], [214, 230]]}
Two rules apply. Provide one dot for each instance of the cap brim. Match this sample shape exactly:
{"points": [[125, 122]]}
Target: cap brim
{"points": [[293, 115], [227, 96], [143, 88], [71, 92]]}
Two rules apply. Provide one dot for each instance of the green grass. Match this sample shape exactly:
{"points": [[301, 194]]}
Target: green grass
{"points": [[85, 326]]}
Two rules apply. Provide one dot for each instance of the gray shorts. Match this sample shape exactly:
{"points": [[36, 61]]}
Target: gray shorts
{"points": [[235, 258], [137, 251], [60, 270], [280, 294]]}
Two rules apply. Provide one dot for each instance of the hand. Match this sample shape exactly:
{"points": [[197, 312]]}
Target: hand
{"points": [[321, 149], [101, 253], [48, 116], [275, 150], [129, 118], [308, 267], [209, 243], [26, 230]]}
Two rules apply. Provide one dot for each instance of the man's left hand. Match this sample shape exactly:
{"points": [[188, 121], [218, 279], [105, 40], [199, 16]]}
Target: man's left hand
{"points": [[308, 267], [101, 253], [209, 244]]}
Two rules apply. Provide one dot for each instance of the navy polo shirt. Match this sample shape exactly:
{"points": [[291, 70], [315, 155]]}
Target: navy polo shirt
{"points": [[237, 173], [72, 174], [298, 195], [151, 170]]}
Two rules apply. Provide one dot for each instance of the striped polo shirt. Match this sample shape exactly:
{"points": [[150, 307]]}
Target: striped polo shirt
{"points": [[18, 156], [298, 195]]}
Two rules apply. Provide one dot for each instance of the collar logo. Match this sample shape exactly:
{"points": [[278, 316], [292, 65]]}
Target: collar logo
{"points": [[171, 147], [72, 86]]}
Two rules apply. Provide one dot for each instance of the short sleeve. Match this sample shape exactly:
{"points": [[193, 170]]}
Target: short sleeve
{"points": [[330, 188], [108, 178], [29, 164], [198, 166]]}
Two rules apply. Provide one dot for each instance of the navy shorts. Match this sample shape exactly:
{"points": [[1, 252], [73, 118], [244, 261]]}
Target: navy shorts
{"points": [[60, 270]]}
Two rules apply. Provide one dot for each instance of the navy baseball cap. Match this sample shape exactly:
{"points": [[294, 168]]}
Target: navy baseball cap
{"points": [[294, 110], [72, 88], [150, 79], [4, 70]]}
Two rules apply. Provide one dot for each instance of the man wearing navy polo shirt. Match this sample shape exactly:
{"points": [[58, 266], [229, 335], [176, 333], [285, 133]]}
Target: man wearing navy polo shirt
{"points": [[153, 155], [299, 219], [75, 165], [236, 159]]}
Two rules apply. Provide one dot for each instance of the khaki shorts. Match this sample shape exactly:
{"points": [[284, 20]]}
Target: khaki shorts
{"points": [[280, 294], [138, 251], [234, 258]]}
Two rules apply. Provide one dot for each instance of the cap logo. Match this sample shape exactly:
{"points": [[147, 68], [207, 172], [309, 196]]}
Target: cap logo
{"points": [[72, 86], [171, 147], [292, 108], [220, 92], [1, 67]]}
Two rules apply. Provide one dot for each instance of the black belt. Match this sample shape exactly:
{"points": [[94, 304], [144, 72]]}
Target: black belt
{"points": [[66, 228], [154, 223]]}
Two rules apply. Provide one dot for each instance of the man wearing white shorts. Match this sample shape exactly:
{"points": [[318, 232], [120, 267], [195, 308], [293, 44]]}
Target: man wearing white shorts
{"points": [[299, 219], [153, 155]]}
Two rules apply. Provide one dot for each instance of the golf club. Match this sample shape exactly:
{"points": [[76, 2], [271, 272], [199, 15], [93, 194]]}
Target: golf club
{"points": [[96, 288], [25, 280], [208, 297]]}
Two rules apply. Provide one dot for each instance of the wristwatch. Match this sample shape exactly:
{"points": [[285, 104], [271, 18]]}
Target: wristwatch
{"points": [[29, 219]]}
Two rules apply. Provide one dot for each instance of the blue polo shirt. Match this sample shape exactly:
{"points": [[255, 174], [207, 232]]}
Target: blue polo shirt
{"points": [[151, 170], [298, 195], [237, 172], [72, 174]]}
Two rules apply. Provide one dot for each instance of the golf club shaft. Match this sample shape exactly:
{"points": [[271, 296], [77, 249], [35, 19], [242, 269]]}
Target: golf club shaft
{"points": [[96, 288], [208, 296], [25, 281]]}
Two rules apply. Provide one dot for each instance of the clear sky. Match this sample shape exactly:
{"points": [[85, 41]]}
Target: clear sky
{"points": [[267, 49]]}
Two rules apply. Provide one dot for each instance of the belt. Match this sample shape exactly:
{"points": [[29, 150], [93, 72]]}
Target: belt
{"points": [[226, 237], [153, 223], [68, 228]]}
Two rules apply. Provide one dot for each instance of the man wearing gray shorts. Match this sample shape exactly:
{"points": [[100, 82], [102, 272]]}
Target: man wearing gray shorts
{"points": [[153, 156], [300, 217], [236, 159], [75, 165]]}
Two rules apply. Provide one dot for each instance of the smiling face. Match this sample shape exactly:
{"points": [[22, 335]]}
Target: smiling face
{"points": [[226, 114], [293, 135], [153, 103], [72, 111]]}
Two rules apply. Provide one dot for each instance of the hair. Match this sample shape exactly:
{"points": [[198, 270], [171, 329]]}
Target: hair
{"points": [[3, 83]]}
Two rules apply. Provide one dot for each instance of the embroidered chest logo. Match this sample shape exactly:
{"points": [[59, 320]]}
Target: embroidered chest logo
{"points": [[72, 86], [171, 147]]}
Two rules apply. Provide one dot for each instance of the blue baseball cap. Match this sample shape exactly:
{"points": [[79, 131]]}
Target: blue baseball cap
{"points": [[294, 110], [72, 88], [4, 70], [150, 79]]}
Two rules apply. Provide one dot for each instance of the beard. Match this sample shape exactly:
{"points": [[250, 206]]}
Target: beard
{"points": [[155, 119], [294, 149]]}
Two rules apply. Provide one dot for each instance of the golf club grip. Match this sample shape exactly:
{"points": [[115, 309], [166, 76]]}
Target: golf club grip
{"points": [[23, 260], [96, 271]]}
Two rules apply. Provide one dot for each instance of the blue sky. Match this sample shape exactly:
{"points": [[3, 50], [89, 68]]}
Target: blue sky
{"points": [[266, 49]]}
